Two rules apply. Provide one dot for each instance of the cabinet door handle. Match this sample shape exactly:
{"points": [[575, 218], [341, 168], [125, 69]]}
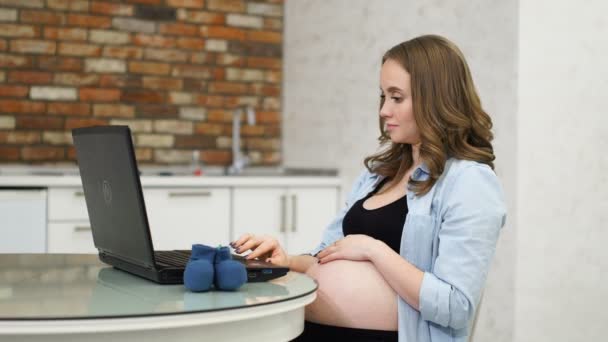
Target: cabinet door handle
{"points": [[294, 210], [78, 229], [79, 193], [191, 194], [283, 216]]}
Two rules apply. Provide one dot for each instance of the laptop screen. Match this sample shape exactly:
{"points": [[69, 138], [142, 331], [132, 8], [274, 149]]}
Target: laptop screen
{"points": [[113, 195]]}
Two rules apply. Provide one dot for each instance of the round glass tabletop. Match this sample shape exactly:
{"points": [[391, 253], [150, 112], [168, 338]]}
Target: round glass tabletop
{"points": [[79, 286]]}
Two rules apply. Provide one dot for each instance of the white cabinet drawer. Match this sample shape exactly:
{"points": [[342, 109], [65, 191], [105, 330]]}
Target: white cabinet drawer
{"points": [[72, 237], [67, 204], [179, 217]]}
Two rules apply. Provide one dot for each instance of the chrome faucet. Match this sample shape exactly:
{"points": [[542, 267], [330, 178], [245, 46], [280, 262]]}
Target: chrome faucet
{"points": [[239, 160]]}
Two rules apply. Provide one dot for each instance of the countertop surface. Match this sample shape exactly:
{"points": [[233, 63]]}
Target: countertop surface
{"points": [[174, 177]]}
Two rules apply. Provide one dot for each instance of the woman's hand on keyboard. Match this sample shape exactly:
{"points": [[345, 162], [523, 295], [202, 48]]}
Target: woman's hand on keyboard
{"points": [[263, 247]]}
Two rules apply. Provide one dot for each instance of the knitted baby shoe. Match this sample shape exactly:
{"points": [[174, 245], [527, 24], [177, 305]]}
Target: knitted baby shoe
{"points": [[229, 274], [199, 272]]}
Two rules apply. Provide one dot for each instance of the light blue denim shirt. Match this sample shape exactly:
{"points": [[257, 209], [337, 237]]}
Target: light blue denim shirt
{"points": [[450, 233]]}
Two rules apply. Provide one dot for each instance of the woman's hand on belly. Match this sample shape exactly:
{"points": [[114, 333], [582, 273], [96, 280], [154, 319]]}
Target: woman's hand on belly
{"points": [[352, 294]]}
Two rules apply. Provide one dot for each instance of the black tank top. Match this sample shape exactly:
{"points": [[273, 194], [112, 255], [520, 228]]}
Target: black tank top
{"points": [[384, 223]]}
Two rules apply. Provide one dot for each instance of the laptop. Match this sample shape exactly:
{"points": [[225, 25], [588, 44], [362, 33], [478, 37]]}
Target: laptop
{"points": [[117, 211]]}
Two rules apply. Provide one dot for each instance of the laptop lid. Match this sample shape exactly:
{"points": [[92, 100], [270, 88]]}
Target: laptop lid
{"points": [[113, 194]]}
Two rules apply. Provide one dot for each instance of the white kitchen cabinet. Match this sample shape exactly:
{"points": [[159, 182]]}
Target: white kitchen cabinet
{"points": [[70, 237], [295, 216], [260, 211], [311, 210], [179, 217], [23, 220]]}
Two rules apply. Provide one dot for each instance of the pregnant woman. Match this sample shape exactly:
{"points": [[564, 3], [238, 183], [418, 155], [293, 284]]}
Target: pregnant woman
{"points": [[407, 257]]}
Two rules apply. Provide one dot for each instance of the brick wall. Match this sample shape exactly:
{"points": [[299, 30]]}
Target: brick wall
{"points": [[173, 70]]}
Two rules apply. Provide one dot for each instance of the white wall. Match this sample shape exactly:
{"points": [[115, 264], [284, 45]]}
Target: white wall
{"points": [[562, 129], [331, 90]]}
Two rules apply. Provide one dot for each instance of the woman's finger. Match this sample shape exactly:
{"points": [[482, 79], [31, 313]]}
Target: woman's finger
{"points": [[330, 257], [326, 251], [250, 244], [241, 240], [266, 247]]}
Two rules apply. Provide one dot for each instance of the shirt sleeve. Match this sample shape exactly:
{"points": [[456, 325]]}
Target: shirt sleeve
{"points": [[333, 231], [472, 216]]}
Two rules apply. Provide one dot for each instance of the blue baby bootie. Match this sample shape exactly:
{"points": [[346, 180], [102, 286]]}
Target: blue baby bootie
{"points": [[199, 272], [229, 274]]}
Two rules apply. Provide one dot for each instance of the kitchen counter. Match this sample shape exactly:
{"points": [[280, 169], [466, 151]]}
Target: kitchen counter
{"points": [[176, 181]]}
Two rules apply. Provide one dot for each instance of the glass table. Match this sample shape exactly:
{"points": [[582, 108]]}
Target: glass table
{"points": [[75, 297]]}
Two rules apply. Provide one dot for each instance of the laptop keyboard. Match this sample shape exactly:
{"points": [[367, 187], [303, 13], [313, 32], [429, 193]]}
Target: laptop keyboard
{"points": [[180, 258]]}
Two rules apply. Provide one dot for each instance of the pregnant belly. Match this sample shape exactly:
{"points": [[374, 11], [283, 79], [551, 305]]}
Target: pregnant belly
{"points": [[352, 294]]}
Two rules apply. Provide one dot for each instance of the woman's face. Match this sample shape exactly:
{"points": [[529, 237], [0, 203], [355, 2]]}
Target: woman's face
{"points": [[397, 110]]}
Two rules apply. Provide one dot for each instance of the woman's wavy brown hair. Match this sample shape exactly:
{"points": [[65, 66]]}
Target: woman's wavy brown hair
{"points": [[446, 108]]}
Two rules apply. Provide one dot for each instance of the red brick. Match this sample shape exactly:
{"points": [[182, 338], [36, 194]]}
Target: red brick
{"points": [[99, 94], [153, 40], [230, 60], [76, 79], [266, 90], [59, 63], [14, 61], [155, 110], [123, 52], [24, 31], [61, 33], [203, 58], [162, 83], [147, 2], [219, 115], [39, 122], [268, 117], [120, 81], [76, 123], [69, 5], [273, 24], [223, 32], [216, 157], [273, 130], [265, 36], [95, 21], [111, 8], [207, 128], [219, 74], [3, 45], [191, 43], [186, 3], [115, 111], [20, 138], [33, 46], [69, 108], [228, 88], [194, 141], [210, 100], [71, 153], [42, 17], [149, 68], [9, 153], [191, 71], [71, 49], [42, 153], [179, 29], [263, 62], [30, 77], [13, 91], [17, 106], [227, 5], [142, 96], [202, 17]]}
